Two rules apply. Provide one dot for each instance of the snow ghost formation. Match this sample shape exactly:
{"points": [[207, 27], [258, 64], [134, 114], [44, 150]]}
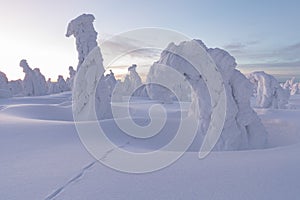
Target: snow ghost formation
{"points": [[62, 84], [132, 85], [160, 93], [16, 87], [51, 86], [4, 86], [89, 70], [268, 92], [111, 81], [86, 37], [70, 80], [34, 83], [41, 83], [134, 77], [295, 89], [290, 85], [57, 87], [243, 128]]}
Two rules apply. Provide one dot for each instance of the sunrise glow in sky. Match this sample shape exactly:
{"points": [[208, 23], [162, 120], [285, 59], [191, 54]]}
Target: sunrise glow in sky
{"points": [[261, 35]]}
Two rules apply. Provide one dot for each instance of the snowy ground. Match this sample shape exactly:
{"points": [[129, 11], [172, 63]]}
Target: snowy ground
{"points": [[41, 157]]}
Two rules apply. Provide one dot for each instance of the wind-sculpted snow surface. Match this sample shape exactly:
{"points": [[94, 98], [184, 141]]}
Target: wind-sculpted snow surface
{"points": [[86, 37], [269, 93], [4, 87], [242, 128], [34, 83]]}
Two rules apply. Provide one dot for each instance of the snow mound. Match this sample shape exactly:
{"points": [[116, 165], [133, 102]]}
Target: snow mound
{"points": [[268, 92], [242, 129]]}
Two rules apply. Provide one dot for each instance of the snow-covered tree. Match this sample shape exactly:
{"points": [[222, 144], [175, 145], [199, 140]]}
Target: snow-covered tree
{"points": [[242, 129], [16, 87], [41, 83], [34, 83], [57, 87], [89, 71], [61, 84], [82, 29], [4, 87], [132, 85], [292, 86], [111, 80], [70, 79], [269, 93]]}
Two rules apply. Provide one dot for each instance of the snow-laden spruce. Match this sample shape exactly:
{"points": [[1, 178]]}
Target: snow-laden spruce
{"points": [[268, 92], [88, 96], [4, 86], [242, 129], [34, 83], [82, 29]]}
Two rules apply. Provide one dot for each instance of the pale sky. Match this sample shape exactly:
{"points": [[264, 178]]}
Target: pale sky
{"points": [[261, 35]]}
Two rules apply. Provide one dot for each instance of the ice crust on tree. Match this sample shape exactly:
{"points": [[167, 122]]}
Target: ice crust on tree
{"points": [[89, 95], [268, 92], [242, 129], [82, 29], [4, 86], [34, 83]]}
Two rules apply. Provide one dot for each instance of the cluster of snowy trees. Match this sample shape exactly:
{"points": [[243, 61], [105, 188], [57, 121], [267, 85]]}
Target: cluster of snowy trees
{"points": [[34, 83], [132, 85], [242, 128]]}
